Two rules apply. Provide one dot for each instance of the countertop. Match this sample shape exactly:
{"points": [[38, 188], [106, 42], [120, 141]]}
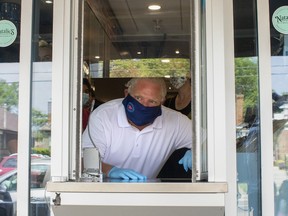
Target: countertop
{"points": [[148, 186]]}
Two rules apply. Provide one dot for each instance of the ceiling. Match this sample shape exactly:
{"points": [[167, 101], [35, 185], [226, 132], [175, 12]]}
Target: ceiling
{"points": [[133, 28], [160, 33]]}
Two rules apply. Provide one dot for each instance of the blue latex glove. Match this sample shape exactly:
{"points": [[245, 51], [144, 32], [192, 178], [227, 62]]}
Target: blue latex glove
{"points": [[126, 174], [186, 160]]}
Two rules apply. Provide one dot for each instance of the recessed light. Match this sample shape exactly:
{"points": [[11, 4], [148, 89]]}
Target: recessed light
{"points": [[154, 7]]}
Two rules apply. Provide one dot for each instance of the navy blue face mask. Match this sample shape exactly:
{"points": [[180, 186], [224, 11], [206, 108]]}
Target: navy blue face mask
{"points": [[137, 113]]}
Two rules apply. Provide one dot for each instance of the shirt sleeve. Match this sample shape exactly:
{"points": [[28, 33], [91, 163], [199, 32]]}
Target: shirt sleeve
{"points": [[184, 135]]}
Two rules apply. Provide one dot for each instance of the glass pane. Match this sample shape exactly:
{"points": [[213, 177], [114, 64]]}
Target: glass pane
{"points": [[124, 39], [9, 82], [279, 70], [247, 109], [41, 105]]}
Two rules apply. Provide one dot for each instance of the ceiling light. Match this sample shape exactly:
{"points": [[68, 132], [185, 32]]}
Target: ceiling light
{"points": [[177, 51], [97, 57], [48, 1], [139, 53], [154, 7]]}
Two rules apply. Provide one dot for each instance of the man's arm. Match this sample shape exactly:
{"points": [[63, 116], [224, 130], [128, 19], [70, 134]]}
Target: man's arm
{"points": [[106, 168]]}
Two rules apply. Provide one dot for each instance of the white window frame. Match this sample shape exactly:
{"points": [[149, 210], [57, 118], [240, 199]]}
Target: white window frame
{"points": [[216, 64], [266, 124], [24, 117], [220, 94], [220, 98]]}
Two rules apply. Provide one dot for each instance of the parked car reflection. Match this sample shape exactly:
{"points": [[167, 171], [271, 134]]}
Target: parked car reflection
{"points": [[9, 163], [40, 175]]}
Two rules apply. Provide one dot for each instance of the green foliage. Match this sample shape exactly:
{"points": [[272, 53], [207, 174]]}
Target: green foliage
{"points": [[43, 151], [149, 67], [8, 95], [38, 118], [246, 81]]}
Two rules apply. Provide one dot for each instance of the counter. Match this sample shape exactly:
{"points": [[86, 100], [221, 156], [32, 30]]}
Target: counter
{"points": [[147, 198]]}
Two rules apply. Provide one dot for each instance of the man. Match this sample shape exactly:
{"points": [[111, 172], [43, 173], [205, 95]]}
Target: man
{"points": [[136, 135]]}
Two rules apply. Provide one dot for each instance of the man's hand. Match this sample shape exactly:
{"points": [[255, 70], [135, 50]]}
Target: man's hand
{"points": [[186, 160], [125, 174]]}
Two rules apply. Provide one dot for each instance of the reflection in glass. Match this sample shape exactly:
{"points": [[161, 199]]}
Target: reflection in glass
{"points": [[41, 105], [9, 86], [248, 136], [279, 70], [10, 11], [247, 109]]}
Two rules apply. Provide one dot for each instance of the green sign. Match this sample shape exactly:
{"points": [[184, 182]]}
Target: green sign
{"points": [[8, 33], [280, 19]]}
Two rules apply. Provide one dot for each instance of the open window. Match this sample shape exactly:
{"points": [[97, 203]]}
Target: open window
{"points": [[125, 39]]}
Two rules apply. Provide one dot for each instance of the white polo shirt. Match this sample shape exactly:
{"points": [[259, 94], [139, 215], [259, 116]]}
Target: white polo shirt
{"points": [[124, 146]]}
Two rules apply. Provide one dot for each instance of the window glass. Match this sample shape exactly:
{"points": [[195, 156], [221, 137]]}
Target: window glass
{"points": [[279, 73], [247, 108], [9, 83], [41, 89], [40, 170], [11, 163]]}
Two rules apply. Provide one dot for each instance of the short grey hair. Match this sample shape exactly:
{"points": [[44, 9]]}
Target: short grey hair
{"points": [[160, 81]]}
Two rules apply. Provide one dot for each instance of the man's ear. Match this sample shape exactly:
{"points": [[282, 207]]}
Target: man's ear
{"points": [[125, 92]]}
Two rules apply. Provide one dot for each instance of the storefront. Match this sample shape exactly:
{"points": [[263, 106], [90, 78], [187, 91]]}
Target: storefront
{"points": [[236, 57]]}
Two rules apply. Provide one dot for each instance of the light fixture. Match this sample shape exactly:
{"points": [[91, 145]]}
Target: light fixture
{"points": [[154, 7], [97, 57], [177, 51], [48, 1], [138, 53]]}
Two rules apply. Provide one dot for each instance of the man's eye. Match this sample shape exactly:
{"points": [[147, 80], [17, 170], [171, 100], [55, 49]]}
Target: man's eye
{"points": [[154, 103], [137, 98]]}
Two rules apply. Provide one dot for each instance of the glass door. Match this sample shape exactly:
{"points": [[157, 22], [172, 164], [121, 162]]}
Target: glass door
{"points": [[279, 74], [14, 82], [248, 142]]}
